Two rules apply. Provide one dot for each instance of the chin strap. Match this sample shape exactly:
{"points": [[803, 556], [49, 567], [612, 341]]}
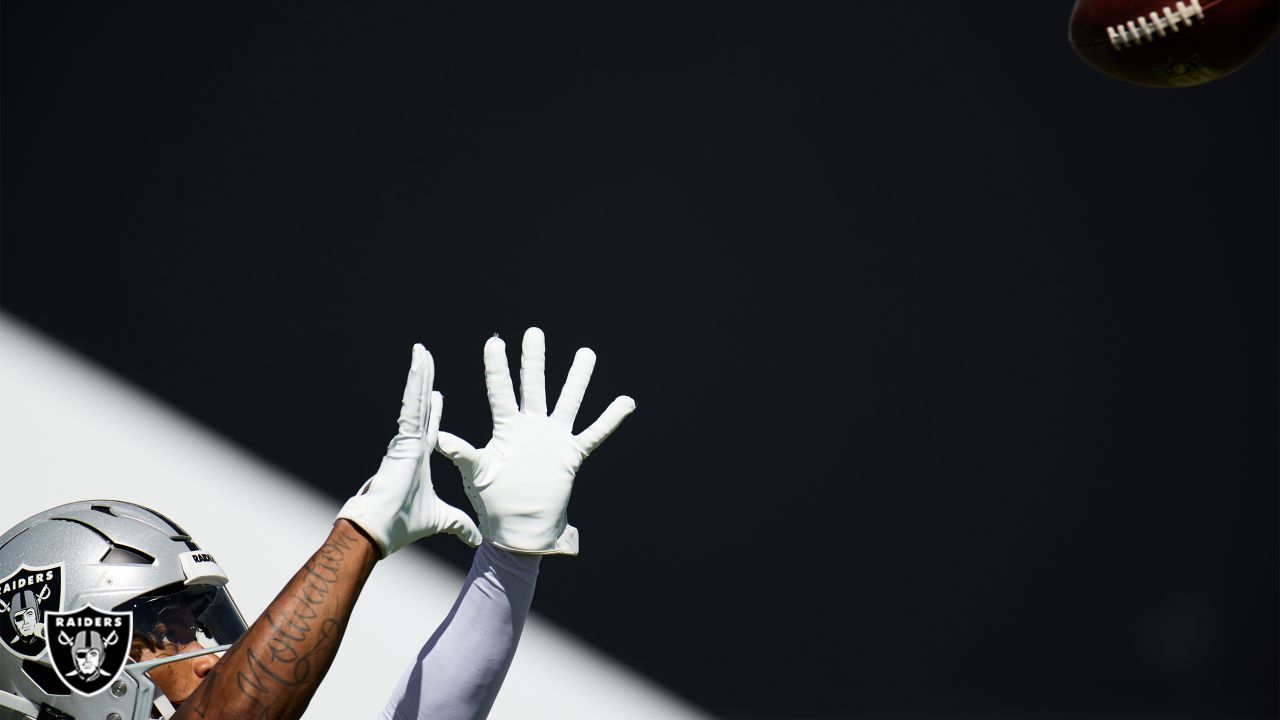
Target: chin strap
{"points": [[164, 706]]}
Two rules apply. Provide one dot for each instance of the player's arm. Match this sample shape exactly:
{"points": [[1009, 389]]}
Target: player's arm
{"points": [[275, 668], [459, 670], [519, 484], [273, 671]]}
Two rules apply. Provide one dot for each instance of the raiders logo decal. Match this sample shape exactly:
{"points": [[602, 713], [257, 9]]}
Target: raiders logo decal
{"points": [[26, 598], [89, 646]]}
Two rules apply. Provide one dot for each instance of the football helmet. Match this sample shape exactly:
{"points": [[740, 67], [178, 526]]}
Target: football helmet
{"points": [[117, 557]]}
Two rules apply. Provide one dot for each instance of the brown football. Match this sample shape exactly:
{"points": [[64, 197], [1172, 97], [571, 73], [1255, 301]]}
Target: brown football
{"points": [[1171, 44]]}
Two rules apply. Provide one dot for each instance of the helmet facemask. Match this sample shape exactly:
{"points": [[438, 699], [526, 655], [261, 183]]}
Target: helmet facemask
{"points": [[176, 625]]}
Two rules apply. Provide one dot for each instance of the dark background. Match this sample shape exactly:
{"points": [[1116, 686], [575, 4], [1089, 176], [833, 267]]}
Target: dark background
{"points": [[956, 362]]}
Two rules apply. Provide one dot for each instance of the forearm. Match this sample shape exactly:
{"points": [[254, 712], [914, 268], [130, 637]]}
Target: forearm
{"points": [[274, 670], [458, 672]]}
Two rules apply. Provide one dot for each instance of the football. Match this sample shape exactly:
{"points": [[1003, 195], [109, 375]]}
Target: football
{"points": [[1170, 44]]}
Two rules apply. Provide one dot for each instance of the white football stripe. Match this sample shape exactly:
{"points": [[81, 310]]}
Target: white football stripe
{"points": [[70, 431]]}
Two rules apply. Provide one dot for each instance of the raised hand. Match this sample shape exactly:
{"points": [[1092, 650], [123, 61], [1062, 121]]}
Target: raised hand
{"points": [[399, 504], [520, 482]]}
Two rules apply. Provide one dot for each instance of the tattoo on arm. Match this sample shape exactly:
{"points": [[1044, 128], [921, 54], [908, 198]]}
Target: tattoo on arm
{"points": [[283, 657], [287, 662]]}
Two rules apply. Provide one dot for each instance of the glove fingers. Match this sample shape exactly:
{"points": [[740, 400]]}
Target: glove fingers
{"points": [[428, 381], [458, 450], [460, 524], [497, 379], [608, 421], [433, 424], [417, 387], [575, 387], [533, 383]]}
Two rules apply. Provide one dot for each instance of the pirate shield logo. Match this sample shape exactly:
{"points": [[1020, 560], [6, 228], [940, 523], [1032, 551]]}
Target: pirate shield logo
{"points": [[26, 598], [88, 647]]}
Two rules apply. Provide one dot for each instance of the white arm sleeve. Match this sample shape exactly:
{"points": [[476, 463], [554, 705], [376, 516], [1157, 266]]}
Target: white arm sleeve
{"points": [[459, 671]]}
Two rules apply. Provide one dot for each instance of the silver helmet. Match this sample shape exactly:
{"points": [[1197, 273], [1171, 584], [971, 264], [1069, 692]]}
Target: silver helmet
{"points": [[117, 557]]}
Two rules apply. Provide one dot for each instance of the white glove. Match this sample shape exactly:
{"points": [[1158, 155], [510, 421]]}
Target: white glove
{"points": [[520, 482], [398, 504]]}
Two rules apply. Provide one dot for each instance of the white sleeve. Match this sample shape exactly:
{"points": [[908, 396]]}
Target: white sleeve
{"points": [[460, 669]]}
